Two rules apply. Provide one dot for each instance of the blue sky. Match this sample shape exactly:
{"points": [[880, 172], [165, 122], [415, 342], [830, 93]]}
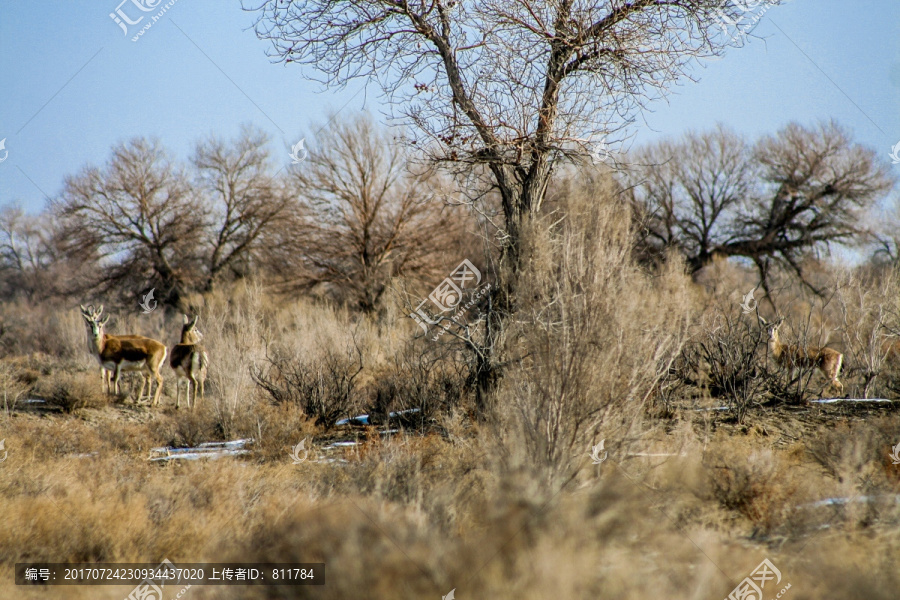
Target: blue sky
{"points": [[73, 84]]}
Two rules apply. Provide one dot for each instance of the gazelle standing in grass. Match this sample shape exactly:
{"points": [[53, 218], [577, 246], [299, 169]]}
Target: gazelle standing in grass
{"points": [[189, 361], [124, 353], [826, 360]]}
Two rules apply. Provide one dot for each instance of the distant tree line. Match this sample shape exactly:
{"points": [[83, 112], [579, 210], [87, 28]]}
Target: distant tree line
{"points": [[345, 221], [779, 202], [354, 215]]}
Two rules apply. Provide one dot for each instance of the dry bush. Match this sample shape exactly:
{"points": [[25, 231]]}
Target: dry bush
{"points": [[593, 334], [866, 309], [325, 387], [186, 430], [411, 517], [73, 391], [759, 484], [856, 453], [419, 376], [51, 328], [276, 429], [727, 349], [235, 327], [15, 385]]}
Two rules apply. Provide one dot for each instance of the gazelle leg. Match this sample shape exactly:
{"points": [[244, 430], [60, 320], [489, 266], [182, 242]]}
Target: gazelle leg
{"points": [[141, 392], [196, 388], [159, 383], [118, 372]]}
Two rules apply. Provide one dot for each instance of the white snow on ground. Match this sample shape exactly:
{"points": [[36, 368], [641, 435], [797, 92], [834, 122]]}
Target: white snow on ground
{"points": [[857, 499], [205, 450], [364, 419], [833, 400]]}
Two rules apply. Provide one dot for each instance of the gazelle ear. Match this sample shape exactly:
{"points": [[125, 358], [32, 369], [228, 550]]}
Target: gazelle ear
{"points": [[105, 321], [99, 311], [194, 321], [780, 320], [761, 320], [84, 311], [185, 319]]}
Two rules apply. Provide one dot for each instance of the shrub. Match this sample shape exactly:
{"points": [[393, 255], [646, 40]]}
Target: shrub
{"points": [[324, 387], [72, 391]]}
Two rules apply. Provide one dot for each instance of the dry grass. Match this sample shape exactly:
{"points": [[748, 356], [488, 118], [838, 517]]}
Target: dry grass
{"points": [[686, 504], [418, 516]]}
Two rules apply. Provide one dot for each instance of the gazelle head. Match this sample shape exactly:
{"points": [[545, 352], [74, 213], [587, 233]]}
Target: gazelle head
{"points": [[772, 327], [189, 332], [92, 318]]}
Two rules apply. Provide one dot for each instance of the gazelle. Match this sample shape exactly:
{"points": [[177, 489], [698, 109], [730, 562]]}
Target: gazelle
{"points": [[189, 361], [826, 360], [124, 353]]}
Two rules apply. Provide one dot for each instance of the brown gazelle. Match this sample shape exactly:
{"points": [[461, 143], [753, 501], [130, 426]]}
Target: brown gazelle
{"points": [[189, 361], [826, 360], [124, 353], [107, 374]]}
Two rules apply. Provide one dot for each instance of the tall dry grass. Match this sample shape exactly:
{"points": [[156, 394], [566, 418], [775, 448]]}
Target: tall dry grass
{"points": [[683, 507], [593, 336]]}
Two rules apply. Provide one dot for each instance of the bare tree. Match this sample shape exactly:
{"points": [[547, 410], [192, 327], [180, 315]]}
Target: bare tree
{"points": [[139, 215], [368, 218], [785, 199], [507, 84], [245, 201], [28, 254], [510, 85]]}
